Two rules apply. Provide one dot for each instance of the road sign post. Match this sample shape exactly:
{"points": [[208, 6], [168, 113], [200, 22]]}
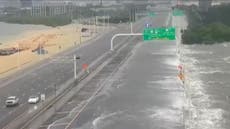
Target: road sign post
{"points": [[125, 34], [150, 34], [75, 66]]}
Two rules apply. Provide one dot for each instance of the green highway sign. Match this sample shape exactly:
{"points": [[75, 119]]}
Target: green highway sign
{"points": [[151, 14], [159, 33], [178, 12]]}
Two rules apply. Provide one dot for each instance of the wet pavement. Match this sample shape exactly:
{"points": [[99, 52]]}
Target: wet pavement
{"points": [[144, 93], [140, 92]]}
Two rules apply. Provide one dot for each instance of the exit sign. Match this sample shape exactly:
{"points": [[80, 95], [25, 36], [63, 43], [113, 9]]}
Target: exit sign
{"points": [[151, 14], [168, 33], [178, 12]]}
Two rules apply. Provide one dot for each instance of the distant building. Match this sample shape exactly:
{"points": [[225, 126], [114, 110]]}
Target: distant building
{"points": [[10, 3], [50, 8], [204, 5], [25, 4]]}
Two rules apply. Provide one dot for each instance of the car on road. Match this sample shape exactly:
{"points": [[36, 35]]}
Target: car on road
{"points": [[33, 99], [12, 101]]}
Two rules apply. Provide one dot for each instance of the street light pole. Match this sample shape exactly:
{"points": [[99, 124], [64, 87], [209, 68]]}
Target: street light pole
{"points": [[131, 27], [75, 66], [96, 25], [55, 88], [122, 34], [104, 21], [40, 51], [108, 21], [18, 56], [80, 33]]}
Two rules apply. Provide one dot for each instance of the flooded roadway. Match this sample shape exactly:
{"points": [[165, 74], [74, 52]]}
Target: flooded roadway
{"points": [[207, 69], [144, 94]]}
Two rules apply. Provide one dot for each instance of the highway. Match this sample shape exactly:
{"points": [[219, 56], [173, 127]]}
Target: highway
{"points": [[132, 91], [42, 77], [144, 93]]}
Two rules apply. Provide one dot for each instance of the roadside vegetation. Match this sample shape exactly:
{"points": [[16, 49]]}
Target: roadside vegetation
{"points": [[48, 21], [207, 27]]}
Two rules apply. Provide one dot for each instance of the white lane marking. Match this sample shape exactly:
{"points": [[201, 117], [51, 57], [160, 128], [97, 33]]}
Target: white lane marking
{"points": [[54, 125], [70, 102], [85, 105], [64, 112]]}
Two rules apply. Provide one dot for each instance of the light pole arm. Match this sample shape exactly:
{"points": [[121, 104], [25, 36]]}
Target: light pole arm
{"points": [[124, 34]]}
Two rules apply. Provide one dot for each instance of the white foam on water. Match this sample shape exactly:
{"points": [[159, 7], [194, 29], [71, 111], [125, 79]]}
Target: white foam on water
{"points": [[191, 61], [210, 72], [201, 115], [227, 59], [225, 44], [205, 119], [189, 50]]}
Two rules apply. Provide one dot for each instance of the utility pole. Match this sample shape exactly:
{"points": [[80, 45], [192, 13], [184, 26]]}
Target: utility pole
{"points": [[108, 21], [104, 21], [101, 3], [131, 26], [96, 25], [131, 20]]}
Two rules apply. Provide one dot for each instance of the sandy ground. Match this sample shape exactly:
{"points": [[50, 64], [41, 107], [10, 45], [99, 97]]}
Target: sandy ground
{"points": [[53, 41]]}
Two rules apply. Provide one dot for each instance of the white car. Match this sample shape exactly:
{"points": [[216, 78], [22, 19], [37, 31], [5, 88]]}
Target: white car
{"points": [[12, 101], [33, 99]]}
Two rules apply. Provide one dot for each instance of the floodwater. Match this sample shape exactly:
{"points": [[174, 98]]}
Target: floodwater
{"points": [[143, 94], [207, 71]]}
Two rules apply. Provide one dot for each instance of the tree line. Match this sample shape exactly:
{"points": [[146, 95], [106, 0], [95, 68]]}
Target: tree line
{"points": [[208, 27]]}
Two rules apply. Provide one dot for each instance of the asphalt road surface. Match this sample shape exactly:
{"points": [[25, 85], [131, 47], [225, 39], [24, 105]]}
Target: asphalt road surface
{"points": [[143, 93], [42, 78]]}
